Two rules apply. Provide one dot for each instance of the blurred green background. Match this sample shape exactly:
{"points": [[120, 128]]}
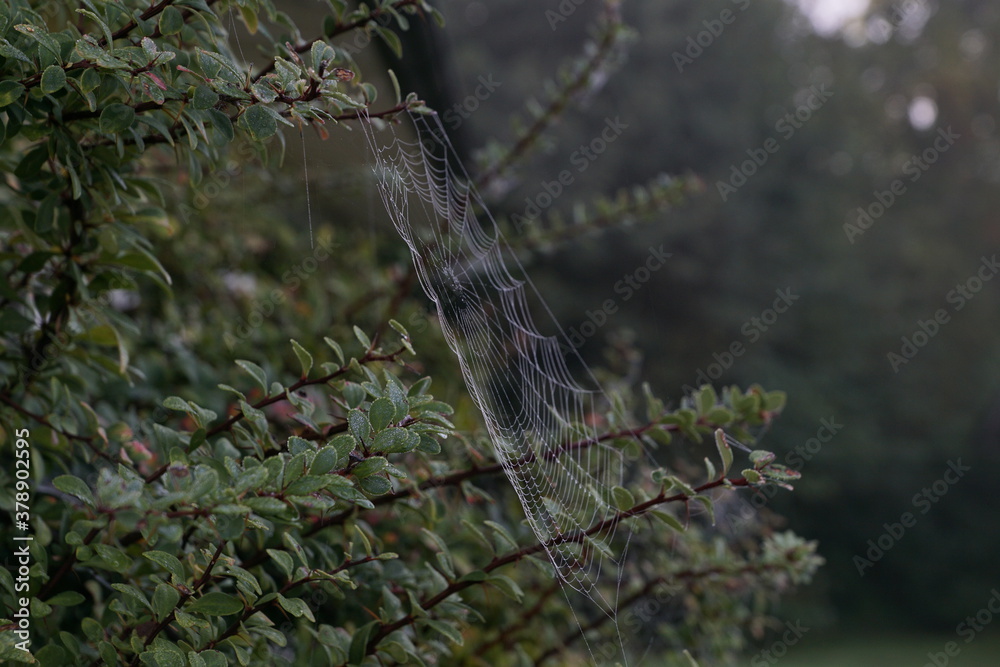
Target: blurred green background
{"points": [[853, 95], [824, 107]]}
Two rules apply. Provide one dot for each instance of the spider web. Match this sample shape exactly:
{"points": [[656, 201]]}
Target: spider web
{"points": [[539, 418]]}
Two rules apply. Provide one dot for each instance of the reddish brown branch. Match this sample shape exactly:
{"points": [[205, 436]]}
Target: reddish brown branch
{"points": [[339, 29], [454, 587], [185, 594], [369, 357]]}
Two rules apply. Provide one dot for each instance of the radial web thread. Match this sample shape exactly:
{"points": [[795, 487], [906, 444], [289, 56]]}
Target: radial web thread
{"points": [[539, 418]]}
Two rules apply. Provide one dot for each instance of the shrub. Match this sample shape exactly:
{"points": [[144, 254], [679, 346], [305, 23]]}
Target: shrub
{"points": [[308, 503]]}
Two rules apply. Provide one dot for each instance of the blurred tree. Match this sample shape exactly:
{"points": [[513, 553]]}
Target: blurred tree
{"points": [[899, 77]]}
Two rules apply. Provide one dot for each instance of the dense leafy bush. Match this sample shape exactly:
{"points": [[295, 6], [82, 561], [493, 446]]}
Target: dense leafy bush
{"points": [[189, 488]]}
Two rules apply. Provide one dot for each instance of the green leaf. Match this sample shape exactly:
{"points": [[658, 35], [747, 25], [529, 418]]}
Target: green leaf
{"points": [[10, 92], [508, 586], [359, 643], [7, 50], [353, 394], [258, 122], [475, 576], [761, 458], [305, 359], [344, 444], [213, 658], [395, 441], [719, 415], [375, 485], [675, 485], [360, 426], [142, 260], [114, 557], [162, 658], [132, 593], [42, 36], [294, 547], [707, 504], [150, 215], [428, 445], [53, 79], [215, 604], [320, 53], [283, 560], [204, 98], [74, 486], [117, 118], [171, 21], [446, 629], [779, 472], [710, 470], [335, 346], [501, 532], [256, 371], [752, 476], [324, 461], [381, 414], [668, 519], [395, 86], [92, 629], [775, 401], [108, 653], [296, 607], [165, 599], [222, 125], [370, 466], [168, 562], [623, 498], [706, 399], [725, 451], [265, 504], [362, 338], [89, 80], [65, 599], [391, 39]]}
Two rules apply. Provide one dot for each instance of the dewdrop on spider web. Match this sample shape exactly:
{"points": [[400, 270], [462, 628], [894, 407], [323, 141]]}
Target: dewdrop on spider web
{"points": [[539, 417]]}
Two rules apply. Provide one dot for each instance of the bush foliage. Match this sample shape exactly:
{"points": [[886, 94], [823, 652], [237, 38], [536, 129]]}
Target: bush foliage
{"points": [[198, 489]]}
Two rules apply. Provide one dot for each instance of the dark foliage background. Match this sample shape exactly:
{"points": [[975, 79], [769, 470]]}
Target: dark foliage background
{"points": [[785, 228]]}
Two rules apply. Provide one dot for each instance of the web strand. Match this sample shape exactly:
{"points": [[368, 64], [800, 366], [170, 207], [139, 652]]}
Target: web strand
{"points": [[531, 404]]}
